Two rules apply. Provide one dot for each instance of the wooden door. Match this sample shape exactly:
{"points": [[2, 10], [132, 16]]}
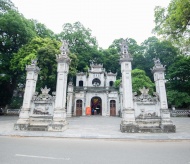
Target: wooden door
{"points": [[79, 108], [112, 108]]}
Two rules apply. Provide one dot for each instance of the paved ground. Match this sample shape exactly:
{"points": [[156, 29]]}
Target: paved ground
{"points": [[44, 150], [97, 127]]}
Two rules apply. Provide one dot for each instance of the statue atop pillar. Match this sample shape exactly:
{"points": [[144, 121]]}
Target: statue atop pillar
{"points": [[124, 51], [158, 66], [64, 48], [64, 53]]}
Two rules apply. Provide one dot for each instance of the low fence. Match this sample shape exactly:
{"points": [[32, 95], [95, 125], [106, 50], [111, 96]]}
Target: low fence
{"points": [[173, 113], [12, 112], [180, 113]]}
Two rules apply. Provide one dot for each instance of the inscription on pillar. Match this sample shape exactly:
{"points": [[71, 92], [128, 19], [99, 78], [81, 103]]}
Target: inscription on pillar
{"points": [[61, 77]]}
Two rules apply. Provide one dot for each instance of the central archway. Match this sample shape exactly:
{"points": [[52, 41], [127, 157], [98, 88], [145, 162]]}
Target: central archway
{"points": [[96, 106]]}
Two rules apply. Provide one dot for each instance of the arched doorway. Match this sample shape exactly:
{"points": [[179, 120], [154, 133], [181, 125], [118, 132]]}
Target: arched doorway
{"points": [[112, 108], [79, 108], [96, 106]]}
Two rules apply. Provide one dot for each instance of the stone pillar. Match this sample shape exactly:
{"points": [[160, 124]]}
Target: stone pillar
{"points": [[83, 107], [69, 99], [121, 99], [30, 87], [159, 78], [108, 104], [59, 122], [128, 123]]}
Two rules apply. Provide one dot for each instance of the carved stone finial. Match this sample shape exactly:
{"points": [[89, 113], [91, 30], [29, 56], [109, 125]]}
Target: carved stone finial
{"points": [[45, 91], [64, 48], [63, 57], [144, 91], [157, 65], [33, 66], [125, 56], [34, 61], [156, 61], [124, 48]]}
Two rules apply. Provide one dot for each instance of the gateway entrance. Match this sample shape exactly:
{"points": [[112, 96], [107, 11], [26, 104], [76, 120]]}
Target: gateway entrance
{"points": [[96, 106]]}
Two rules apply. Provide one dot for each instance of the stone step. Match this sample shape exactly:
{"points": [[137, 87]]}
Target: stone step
{"points": [[148, 119], [37, 128], [40, 121], [148, 122], [150, 129]]}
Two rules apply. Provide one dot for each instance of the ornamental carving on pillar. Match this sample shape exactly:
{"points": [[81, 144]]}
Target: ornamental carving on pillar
{"points": [[145, 97], [43, 102], [33, 66], [124, 54], [157, 66], [63, 57], [64, 48], [44, 96]]}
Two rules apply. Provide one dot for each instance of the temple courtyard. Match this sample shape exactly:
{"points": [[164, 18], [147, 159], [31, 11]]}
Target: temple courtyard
{"points": [[97, 127]]}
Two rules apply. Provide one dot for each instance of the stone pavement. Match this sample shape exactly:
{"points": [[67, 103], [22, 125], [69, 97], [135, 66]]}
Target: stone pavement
{"points": [[97, 127]]}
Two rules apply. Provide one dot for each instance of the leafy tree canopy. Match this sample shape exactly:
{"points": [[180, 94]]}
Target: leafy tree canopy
{"points": [[6, 5], [42, 31], [154, 48], [179, 74], [15, 31], [134, 49], [81, 43], [44, 49], [140, 80], [179, 99], [178, 83], [174, 22]]}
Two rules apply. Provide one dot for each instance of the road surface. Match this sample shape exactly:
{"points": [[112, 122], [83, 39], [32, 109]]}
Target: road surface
{"points": [[39, 150]]}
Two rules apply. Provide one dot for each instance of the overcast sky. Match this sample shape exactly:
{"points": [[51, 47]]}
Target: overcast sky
{"points": [[108, 19]]}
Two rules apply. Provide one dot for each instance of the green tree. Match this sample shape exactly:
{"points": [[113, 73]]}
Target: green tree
{"points": [[154, 48], [179, 74], [179, 99], [134, 49], [44, 49], [140, 80], [81, 43], [15, 31], [42, 31], [110, 60], [178, 83], [174, 22], [6, 5]]}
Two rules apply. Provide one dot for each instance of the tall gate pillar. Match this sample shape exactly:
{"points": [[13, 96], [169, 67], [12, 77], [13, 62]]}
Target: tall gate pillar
{"points": [[159, 78], [128, 123], [59, 122], [30, 88]]}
